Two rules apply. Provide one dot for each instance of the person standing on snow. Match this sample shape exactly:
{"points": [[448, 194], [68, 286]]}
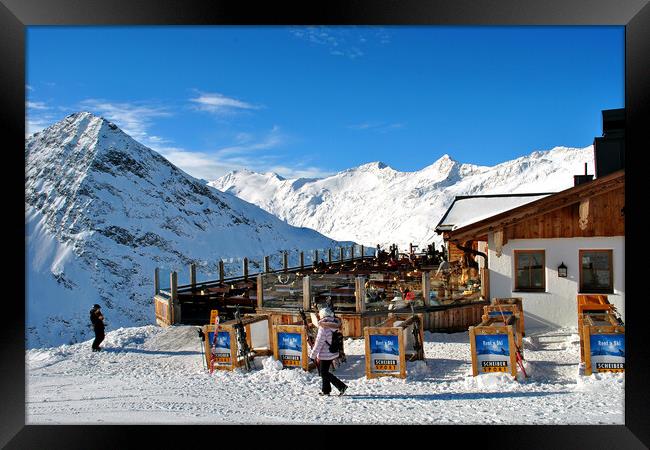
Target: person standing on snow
{"points": [[97, 319], [321, 353]]}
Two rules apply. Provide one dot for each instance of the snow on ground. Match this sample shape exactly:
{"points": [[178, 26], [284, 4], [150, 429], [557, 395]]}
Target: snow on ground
{"points": [[152, 375]]}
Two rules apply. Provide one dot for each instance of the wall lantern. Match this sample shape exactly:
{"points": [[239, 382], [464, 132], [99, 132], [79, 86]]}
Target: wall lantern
{"points": [[561, 270]]}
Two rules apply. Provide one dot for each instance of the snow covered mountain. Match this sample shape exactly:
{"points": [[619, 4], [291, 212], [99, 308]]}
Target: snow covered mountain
{"points": [[102, 211], [374, 203]]}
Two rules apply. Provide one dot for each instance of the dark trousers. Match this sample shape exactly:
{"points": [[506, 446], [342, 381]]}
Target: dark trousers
{"points": [[328, 377], [99, 337]]}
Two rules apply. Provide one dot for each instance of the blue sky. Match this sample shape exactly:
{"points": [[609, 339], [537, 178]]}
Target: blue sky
{"points": [[312, 101]]}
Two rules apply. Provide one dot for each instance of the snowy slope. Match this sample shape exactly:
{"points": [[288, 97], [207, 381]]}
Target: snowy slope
{"points": [[102, 211], [374, 203], [152, 375]]}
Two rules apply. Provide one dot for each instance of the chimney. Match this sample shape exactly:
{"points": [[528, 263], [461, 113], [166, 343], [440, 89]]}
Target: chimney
{"points": [[579, 179], [609, 150]]}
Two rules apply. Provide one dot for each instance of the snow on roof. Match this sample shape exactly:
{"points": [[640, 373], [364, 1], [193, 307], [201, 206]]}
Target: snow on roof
{"points": [[467, 210]]}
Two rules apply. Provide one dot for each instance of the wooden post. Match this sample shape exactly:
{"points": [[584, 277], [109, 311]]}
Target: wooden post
{"points": [[341, 254], [362, 253], [267, 266], [426, 287], [352, 253], [315, 256], [175, 307], [306, 293], [245, 269], [193, 275], [260, 290], [302, 260], [285, 261], [360, 294], [329, 256], [156, 281]]}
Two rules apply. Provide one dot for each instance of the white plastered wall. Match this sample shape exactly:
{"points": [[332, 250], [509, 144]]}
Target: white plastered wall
{"points": [[557, 307]]}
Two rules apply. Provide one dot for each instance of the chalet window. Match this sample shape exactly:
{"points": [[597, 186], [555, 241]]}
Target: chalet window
{"points": [[596, 274], [530, 271]]}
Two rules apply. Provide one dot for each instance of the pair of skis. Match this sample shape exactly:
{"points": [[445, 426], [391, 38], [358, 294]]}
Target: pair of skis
{"points": [[417, 342], [243, 350], [310, 334], [518, 357]]}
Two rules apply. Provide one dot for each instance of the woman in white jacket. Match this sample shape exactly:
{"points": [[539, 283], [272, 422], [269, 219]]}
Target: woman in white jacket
{"points": [[321, 352]]}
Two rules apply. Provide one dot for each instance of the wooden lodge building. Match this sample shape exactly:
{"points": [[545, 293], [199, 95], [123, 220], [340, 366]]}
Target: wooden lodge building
{"points": [[548, 248]]}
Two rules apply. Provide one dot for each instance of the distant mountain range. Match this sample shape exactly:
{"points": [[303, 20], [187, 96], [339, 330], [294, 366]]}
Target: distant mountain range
{"points": [[102, 211], [375, 204]]}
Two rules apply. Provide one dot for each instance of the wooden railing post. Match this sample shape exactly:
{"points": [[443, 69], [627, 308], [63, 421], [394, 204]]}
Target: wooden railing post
{"points": [[193, 275], [426, 287], [302, 260], [360, 294], [222, 273], [362, 252], [341, 254], [329, 256], [246, 269], [315, 256], [174, 305], [267, 265], [260, 290], [156, 281], [352, 253], [306, 293], [285, 262]]}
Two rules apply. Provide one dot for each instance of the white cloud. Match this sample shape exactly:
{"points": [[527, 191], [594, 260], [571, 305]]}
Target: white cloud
{"points": [[36, 105], [247, 144], [344, 41], [133, 118], [220, 104], [381, 127]]}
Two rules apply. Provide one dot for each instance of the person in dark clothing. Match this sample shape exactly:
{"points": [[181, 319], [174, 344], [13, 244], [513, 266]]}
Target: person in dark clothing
{"points": [[97, 319]]}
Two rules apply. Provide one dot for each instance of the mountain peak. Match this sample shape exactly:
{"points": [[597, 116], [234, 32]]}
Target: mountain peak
{"points": [[375, 165]]}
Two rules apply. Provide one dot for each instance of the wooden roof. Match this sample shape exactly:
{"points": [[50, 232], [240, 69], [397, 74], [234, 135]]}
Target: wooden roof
{"points": [[542, 206]]}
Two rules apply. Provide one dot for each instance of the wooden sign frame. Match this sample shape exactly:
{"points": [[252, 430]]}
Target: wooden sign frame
{"points": [[590, 303], [487, 328], [589, 329], [387, 328], [229, 327], [300, 329]]}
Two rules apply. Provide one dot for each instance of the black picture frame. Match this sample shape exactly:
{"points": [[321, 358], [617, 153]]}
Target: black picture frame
{"points": [[15, 15]]}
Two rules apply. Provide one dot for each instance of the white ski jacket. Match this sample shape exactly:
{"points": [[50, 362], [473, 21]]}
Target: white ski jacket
{"points": [[321, 350]]}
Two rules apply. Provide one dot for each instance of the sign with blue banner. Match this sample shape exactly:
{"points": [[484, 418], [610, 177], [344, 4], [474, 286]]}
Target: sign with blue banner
{"points": [[384, 353], [607, 352], [493, 353], [220, 348], [290, 349]]}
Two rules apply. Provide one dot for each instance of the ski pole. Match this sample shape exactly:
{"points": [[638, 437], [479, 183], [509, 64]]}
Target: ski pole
{"points": [[202, 338]]}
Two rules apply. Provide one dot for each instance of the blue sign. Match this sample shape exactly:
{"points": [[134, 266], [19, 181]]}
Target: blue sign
{"points": [[499, 313], [607, 352], [290, 341], [384, 344], [492, 352], [223, 339], [492, 344]]}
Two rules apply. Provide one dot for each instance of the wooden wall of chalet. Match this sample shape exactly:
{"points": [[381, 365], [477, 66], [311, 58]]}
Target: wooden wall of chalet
{"points": [[605, 219]]}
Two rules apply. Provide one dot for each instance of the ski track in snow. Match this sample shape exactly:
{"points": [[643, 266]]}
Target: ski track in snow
{"points": [[152, 375]]}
